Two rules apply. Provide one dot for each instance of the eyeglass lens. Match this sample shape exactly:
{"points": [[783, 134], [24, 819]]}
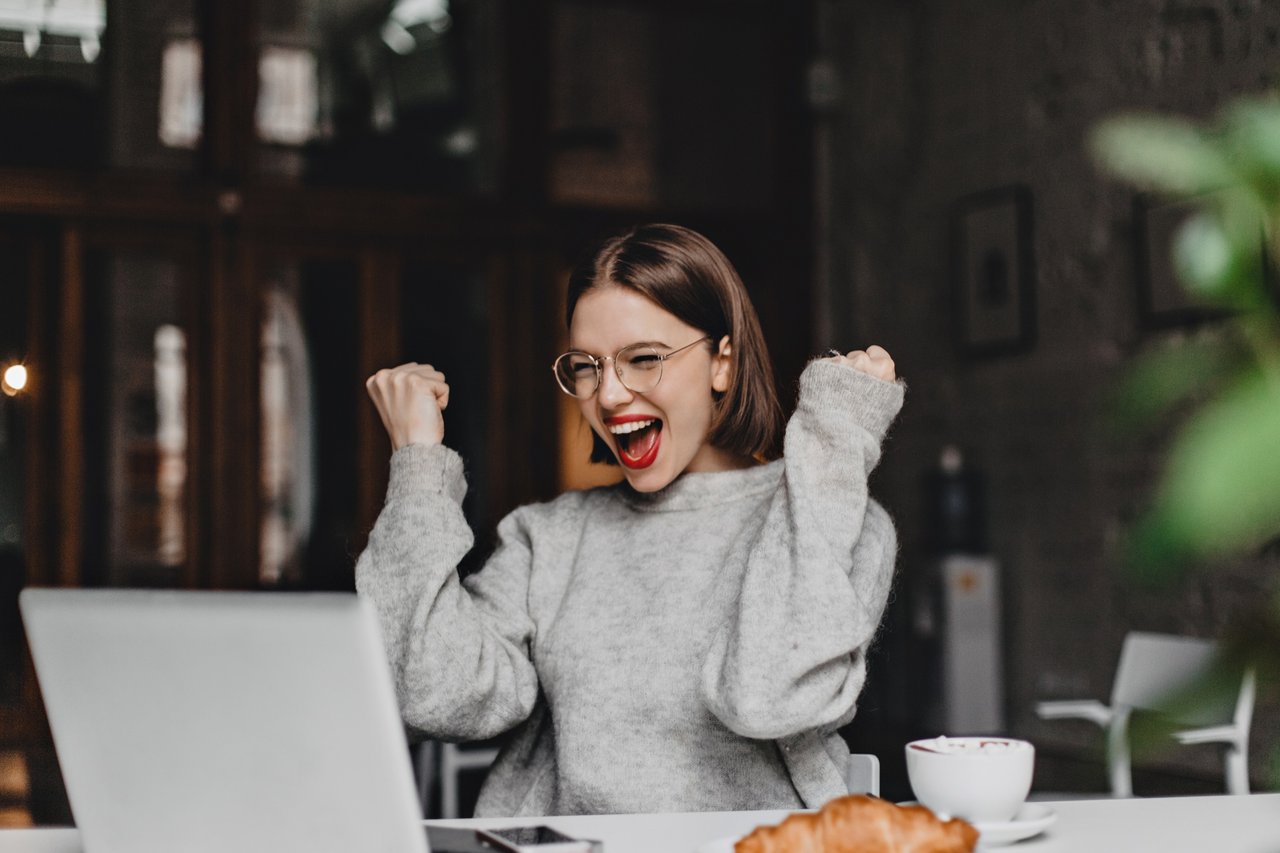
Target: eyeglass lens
{"points": [[639, 366]]}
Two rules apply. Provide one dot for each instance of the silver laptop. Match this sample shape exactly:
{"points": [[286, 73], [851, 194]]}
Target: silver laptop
{"points": [[221, 721]]}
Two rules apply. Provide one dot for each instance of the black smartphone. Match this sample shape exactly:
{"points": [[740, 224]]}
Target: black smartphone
{"points": [[449, 839], [515, 839], [542, 839]]}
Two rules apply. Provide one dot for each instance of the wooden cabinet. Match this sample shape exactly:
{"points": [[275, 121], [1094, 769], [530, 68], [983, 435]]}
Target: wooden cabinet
{"points": [[199, 300]]}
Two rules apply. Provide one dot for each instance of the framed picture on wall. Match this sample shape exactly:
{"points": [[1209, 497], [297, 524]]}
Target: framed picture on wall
{"points": [[1163, 302], [993, 272]]}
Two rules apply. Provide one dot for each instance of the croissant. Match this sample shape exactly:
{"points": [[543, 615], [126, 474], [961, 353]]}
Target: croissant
{"points": [[860, 824]]}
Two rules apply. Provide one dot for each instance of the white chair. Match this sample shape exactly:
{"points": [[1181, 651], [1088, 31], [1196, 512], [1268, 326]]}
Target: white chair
{"points": [[453, 761], [862, 774], [1152, 666], [447, 762]]}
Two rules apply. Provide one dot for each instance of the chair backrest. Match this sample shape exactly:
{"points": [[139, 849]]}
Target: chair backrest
{"points": [[1153, 666], [862, 774]]}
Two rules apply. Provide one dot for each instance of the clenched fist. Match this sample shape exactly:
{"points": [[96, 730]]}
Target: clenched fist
{"points": [[411, 400], [873, 361]]}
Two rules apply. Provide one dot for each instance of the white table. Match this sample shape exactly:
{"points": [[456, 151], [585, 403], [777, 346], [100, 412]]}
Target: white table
{"points": [[1218, 824]]}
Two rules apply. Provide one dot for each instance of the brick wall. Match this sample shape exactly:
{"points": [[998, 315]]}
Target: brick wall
{"points": [[937, 100]]}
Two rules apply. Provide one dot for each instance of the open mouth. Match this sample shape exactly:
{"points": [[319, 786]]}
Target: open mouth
{"points": [[637, 442]]}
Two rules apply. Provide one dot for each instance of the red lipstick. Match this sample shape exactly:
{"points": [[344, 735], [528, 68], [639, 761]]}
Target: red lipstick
{"points": [[650, 454]]}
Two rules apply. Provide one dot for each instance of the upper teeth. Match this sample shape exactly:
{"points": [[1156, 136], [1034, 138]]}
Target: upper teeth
{"points": [[623, 429]]}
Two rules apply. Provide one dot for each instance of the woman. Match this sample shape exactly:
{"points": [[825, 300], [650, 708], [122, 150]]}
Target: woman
{"points": [[689, 639]]}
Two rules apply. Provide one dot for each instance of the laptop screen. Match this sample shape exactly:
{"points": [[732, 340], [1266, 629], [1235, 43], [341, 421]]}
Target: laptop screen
{"points": [[216, 721]]}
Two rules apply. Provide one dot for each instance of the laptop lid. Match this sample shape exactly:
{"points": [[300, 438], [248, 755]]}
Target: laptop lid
{"points": [[221, 721]]}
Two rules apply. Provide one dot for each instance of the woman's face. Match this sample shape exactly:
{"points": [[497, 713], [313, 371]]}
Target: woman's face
{"points": [[675, 416]]}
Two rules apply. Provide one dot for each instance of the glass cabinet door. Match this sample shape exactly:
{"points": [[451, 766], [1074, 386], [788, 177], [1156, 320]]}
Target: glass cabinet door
{"points": [[16, 454], [445, 322], [664, 105], [136, 428], [93, 83], [309, 387], [401, 94]]}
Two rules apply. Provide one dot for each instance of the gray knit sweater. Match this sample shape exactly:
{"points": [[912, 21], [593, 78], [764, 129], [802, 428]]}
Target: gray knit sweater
{"points": [[691, 649]]}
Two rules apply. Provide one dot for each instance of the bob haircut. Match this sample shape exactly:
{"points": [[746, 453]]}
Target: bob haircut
{"points": [[684, 273]]}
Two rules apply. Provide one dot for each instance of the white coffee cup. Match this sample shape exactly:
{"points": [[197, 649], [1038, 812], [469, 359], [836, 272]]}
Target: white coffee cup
{"points": [[979, 779]]}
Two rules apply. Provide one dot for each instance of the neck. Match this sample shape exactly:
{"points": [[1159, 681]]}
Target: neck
{"points": [[717, 459]]}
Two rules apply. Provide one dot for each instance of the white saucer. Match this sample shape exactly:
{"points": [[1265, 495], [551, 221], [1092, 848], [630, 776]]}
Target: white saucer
{"points": [[1031, 819], [720, 845]]}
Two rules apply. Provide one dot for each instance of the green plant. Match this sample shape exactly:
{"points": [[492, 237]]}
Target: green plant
{"points": [[1219, 495]]}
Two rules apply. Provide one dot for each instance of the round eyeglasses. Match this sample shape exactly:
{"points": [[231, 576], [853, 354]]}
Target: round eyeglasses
{"points": [[639, 369]]}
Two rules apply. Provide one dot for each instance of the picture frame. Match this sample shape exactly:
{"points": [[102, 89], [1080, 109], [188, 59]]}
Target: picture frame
{"points": [[993, 272], [1163, 302]]}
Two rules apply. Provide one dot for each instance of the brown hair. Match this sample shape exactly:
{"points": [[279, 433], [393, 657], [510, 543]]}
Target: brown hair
{"points": [[684, 273]]}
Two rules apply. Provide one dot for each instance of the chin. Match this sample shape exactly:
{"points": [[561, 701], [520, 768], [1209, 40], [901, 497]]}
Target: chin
{"points": [[648, 479]]}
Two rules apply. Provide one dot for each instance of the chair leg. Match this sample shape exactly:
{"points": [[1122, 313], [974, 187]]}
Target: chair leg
{"points": [[426, 770], [1237, 769], [453, 761], [1118, 762], [448, 781]]}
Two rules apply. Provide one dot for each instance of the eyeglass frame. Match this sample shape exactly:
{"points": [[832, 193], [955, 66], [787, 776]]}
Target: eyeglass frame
{"points": [[597, 360]]}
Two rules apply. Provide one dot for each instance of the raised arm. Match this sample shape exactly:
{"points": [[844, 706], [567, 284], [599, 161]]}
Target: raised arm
{"points": [[459, 653], [791, 657]]}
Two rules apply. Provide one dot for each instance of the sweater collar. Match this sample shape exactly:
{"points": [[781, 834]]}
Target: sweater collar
{"points": [[704, 489]]}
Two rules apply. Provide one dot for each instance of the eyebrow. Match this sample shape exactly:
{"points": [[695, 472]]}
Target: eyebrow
{"points": [[632, 344]]}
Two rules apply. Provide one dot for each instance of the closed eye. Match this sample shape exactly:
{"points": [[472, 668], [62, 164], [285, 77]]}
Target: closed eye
{"points": [[644, 360]]}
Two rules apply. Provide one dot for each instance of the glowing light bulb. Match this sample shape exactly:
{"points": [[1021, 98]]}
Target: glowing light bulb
{"points": [[14, 379]]}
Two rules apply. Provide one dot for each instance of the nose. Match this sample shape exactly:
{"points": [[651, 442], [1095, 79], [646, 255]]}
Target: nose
{"points": [[612, 393]]}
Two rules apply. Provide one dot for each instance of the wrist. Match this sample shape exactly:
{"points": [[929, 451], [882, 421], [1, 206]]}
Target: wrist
{"points": [[423, 437]]}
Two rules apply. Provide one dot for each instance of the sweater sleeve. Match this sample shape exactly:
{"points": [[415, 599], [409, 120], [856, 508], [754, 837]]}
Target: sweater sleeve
{"points": [[791, 657], [459, 653]]}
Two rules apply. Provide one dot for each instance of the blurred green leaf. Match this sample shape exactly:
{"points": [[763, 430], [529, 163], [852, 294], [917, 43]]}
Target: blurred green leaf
{"points": [[1218, 252], [1221, 490], [1252, 139], [1208, 696], [1158, 381], [1254, 637], [1220, 493], [1163, 154], [1205, 698], [1158, 550], [1205, 258]]}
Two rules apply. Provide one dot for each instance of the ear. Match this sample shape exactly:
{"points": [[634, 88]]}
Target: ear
{"points": [[722, 366]]}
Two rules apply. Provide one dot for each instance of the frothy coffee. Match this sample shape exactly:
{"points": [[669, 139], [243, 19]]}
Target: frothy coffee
{"points": [[968, 745]]}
